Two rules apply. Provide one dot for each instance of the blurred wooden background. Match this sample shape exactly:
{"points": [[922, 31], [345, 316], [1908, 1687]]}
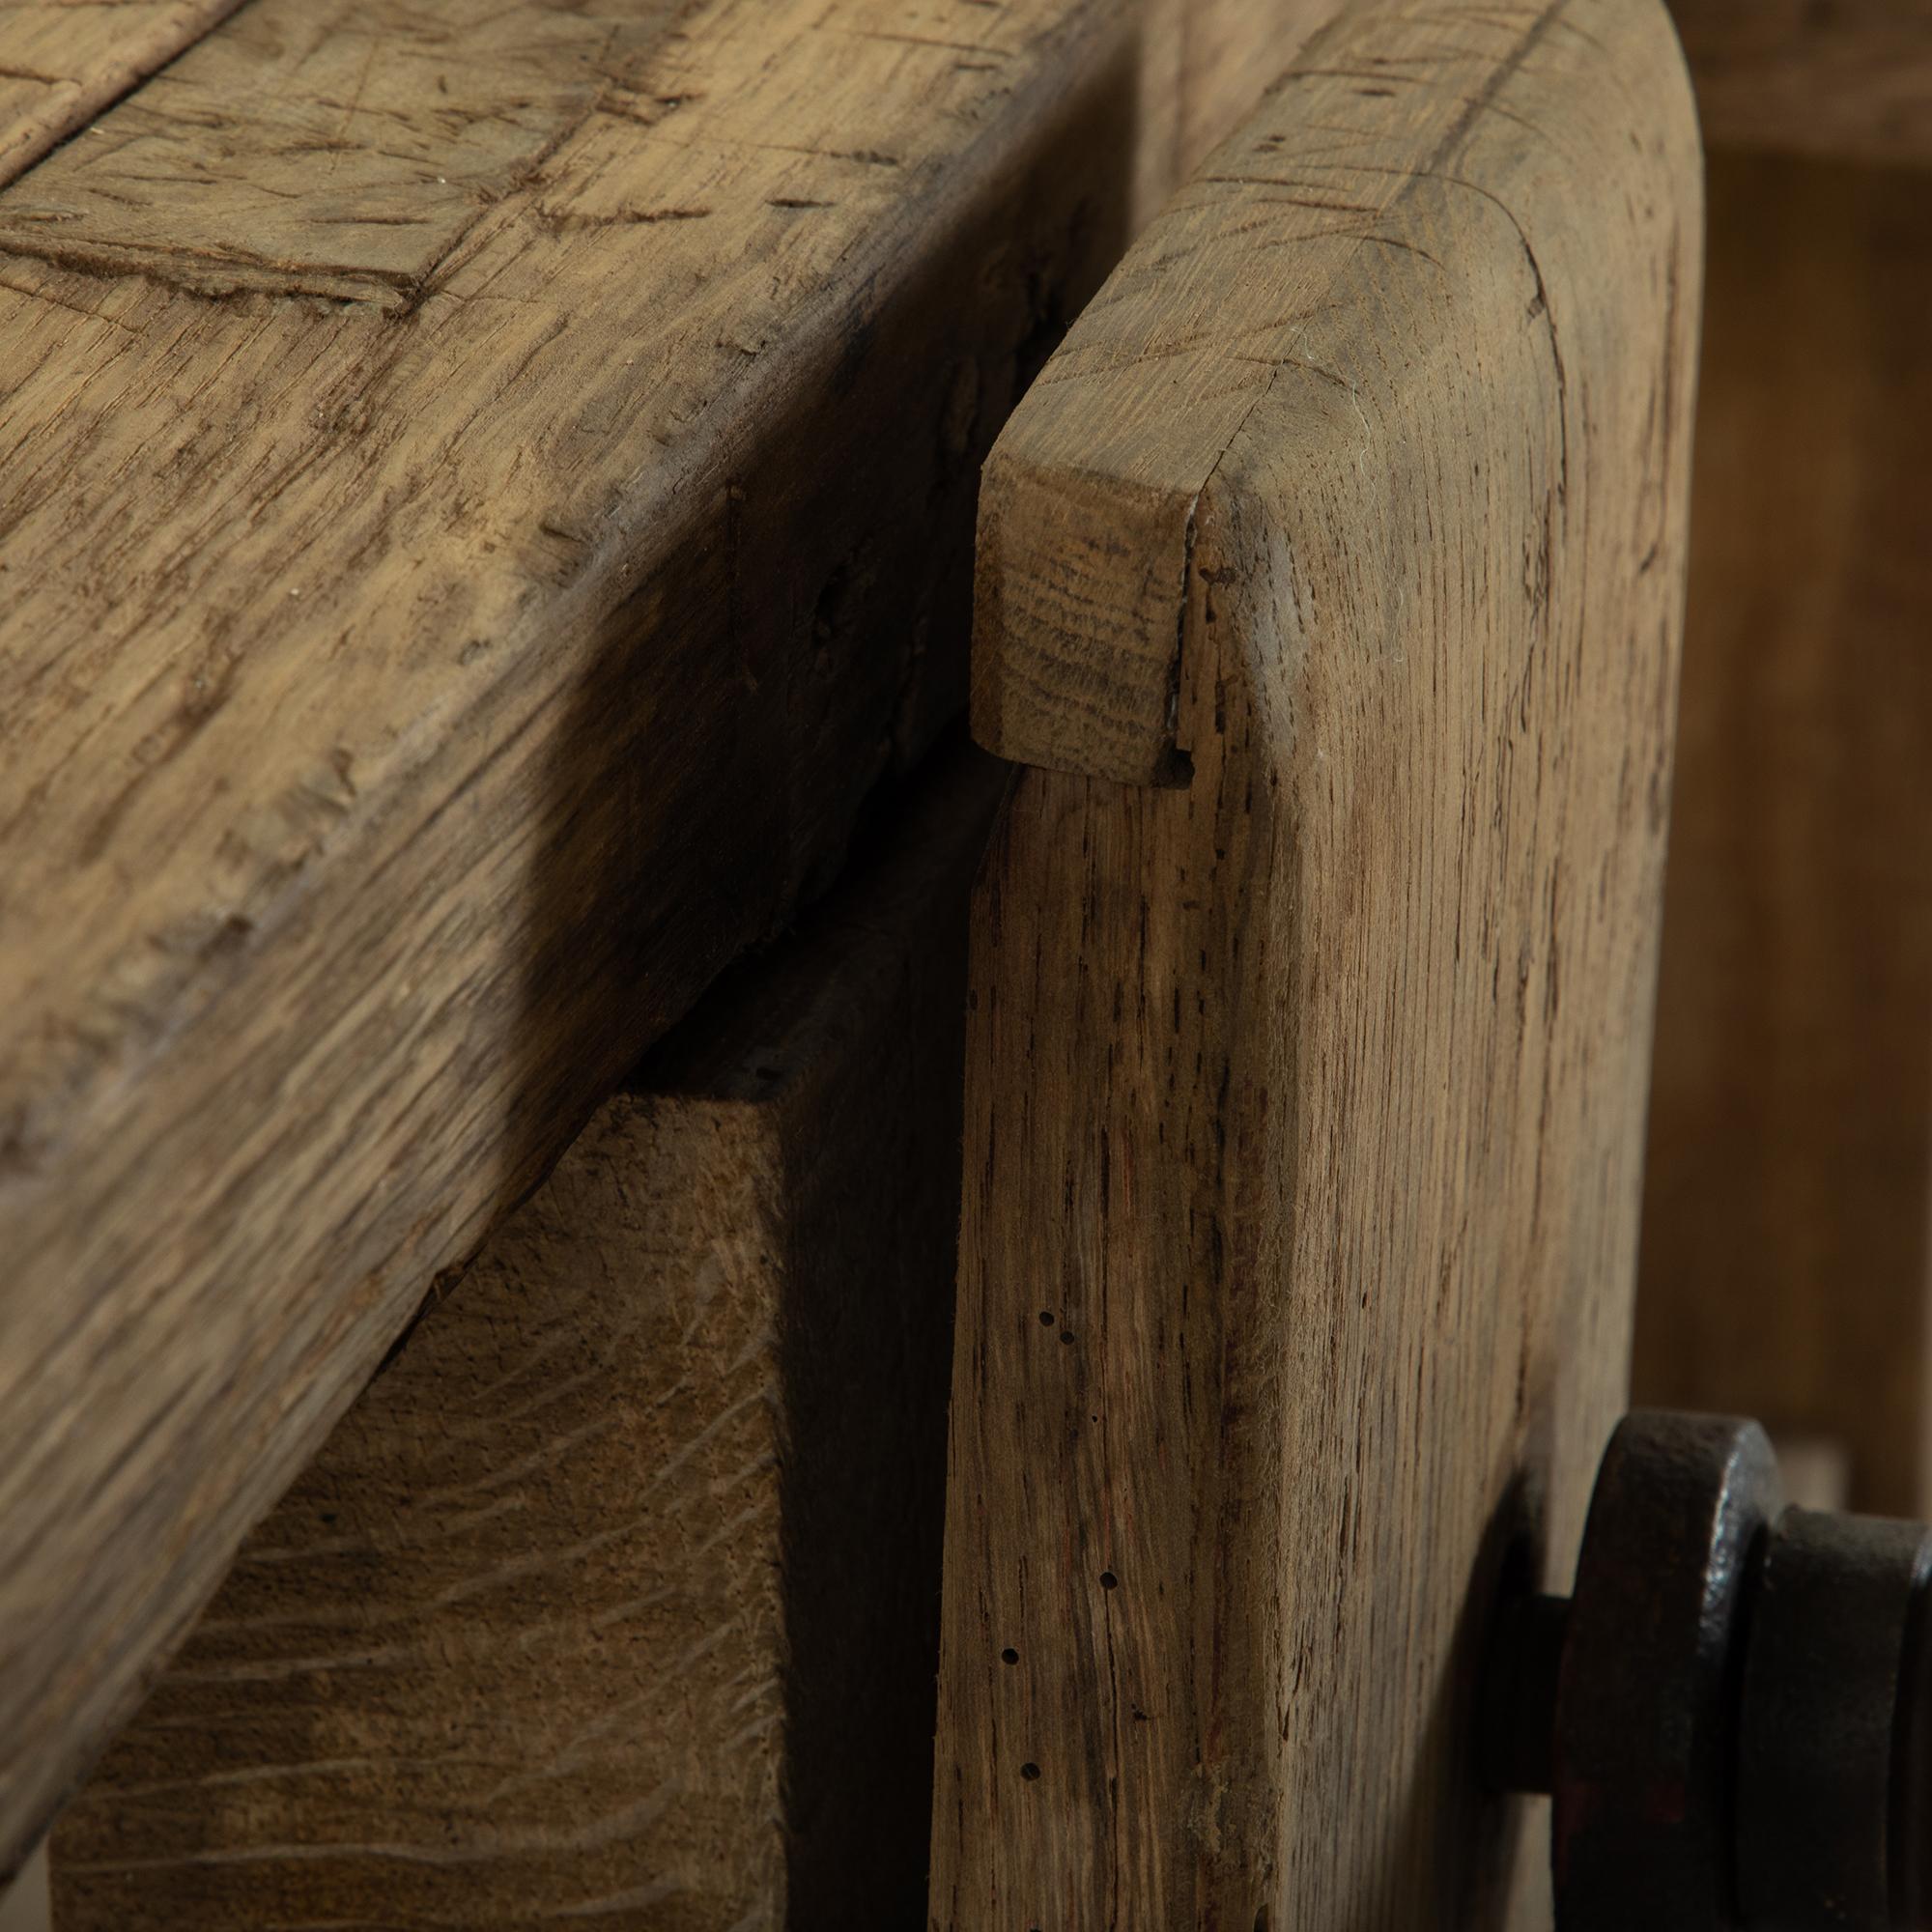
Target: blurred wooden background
{"points": [[1785, 1268]]}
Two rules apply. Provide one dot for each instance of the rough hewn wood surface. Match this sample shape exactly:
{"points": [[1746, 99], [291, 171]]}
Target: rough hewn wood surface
{"points": [[62, 60], [614, 1598], [459, 591], [448, 615], [1305, 1090], [446, 618], [1845, 79], [1788, 1249]]}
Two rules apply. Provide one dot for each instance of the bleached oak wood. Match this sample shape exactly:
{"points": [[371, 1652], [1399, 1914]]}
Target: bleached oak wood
{"points": [[1305, 1086], [61, 62], [1787, 1242], [615, 1597], [1849, 80]]}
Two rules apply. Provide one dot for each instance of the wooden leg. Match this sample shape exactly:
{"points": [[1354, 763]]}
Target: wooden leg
{"points": [[1333, 573], [1789, 1197], [613, 1597]]}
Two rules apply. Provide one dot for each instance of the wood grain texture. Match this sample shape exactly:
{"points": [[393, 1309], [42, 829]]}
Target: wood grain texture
{"points": [[62, 60], [1844, 79], [1787, 1270], [614, 1598], [422, 673], [341, 150], [1305, 1091], [1204, 65], [457, 594]]}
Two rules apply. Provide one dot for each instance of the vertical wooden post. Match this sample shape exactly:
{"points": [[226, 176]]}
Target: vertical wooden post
{"points": [[613, 1599], [1332, 573]]}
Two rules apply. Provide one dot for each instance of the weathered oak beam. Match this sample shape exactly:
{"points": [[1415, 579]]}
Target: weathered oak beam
{"points": [[487, 499], [1333, 574], [437, 640], [615, 1597]]}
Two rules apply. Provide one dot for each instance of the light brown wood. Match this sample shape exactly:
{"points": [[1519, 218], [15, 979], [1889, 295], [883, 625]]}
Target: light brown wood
{"points": [[1203, 65], [615, 1597], [1305, 1090], [341, 150], [460, 589], [1849, 80], [62, 60], [428, 653], [1787, 1251]]}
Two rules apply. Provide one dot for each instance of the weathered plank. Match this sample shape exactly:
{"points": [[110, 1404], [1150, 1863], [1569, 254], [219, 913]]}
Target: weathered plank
{"points": [[615, 1596], [444, 623], [61, 63], [1305, 1089], [426, 662], [1851, 81], [1787, 1247]]}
